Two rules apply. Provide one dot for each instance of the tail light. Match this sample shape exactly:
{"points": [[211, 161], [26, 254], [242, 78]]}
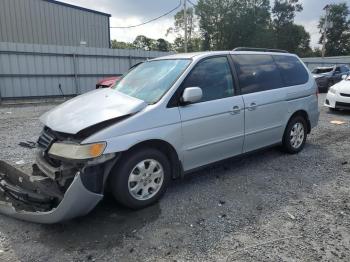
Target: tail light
{"points": [[317, 91]]}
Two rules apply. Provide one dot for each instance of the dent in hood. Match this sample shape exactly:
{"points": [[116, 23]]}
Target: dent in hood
{"points": [[90, 109], [322, 74]]}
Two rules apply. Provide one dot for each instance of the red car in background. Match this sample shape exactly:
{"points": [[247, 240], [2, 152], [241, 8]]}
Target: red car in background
{"points": [[107, 82], [111, 81]]}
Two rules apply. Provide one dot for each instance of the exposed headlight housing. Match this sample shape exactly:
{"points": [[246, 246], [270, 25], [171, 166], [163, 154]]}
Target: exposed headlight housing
{"points": [[76, 151]]}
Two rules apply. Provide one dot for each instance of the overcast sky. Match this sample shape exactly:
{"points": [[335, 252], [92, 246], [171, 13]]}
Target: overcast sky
{"points": [[131, 12]]}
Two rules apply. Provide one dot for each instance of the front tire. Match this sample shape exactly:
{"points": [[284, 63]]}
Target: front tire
{"points": [[294, 137], [140, 178]]}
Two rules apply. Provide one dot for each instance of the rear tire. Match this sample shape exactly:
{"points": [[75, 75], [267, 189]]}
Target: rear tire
{"points": [[294, 137], [140, 178]]}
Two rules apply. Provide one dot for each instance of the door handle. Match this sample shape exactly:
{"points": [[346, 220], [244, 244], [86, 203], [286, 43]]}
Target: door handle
{"points": [[235, 110], [252, 106]]}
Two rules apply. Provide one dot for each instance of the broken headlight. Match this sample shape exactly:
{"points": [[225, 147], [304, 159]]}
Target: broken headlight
{"points": [[76, 151]]}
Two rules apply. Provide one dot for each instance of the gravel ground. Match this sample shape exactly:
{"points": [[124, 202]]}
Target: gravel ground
{"points": [[268, 206]]}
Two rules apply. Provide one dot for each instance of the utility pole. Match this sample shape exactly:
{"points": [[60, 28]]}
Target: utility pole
{"points": [[325, 27], [185, 21]]}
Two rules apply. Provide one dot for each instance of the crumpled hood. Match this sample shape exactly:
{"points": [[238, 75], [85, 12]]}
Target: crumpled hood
{"points": [[342, 87], [322, 75], [89, 109]]}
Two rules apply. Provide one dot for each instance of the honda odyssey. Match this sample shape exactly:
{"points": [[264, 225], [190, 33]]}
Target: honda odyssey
{"points": [[165, 118]]}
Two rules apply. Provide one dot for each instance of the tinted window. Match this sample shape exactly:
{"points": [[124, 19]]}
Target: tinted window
{"points": [[337, 69], [213, 76], [292, 70], [257, 73], [344, 69]]}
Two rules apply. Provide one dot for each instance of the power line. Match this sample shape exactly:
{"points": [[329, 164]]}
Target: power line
{"points": [[149, 21]]}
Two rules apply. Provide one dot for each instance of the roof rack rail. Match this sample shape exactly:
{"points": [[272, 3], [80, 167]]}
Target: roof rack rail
{"points": [[259, 49]]}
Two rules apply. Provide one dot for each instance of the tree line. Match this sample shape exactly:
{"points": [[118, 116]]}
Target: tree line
{"points": [[226, 24]]}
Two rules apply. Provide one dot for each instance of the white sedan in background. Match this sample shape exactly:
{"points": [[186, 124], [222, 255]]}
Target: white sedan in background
{"points": [[338, 96]]}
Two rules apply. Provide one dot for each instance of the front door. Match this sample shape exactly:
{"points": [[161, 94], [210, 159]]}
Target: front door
{"points": [[213, 128]]}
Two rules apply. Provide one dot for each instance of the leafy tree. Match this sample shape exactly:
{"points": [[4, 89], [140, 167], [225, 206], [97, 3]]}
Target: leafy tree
{"points": [[214, 18], [251, 24], [121, 45], [179, 31], [161, 45], [288, 35], [143, 42], [226, 24], [338, 30], [284, 12]]}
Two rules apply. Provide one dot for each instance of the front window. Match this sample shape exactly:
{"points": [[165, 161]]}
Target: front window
{"points": [[152, 79]]}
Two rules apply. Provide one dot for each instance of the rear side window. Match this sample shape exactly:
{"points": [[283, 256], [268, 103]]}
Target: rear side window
{"points": [[344, 69], [292, 70], [213, 76], [257, 73]]}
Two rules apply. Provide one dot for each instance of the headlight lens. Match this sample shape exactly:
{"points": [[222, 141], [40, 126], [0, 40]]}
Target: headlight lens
{"points": [[332, 90], [77, 152]]}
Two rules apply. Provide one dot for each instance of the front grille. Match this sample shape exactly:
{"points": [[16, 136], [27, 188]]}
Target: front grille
{"points": [[46, 139], [347, 95], [342, 105]]}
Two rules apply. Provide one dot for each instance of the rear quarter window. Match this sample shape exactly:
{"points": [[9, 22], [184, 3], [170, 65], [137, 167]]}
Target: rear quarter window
{"points": [[292, 70]]}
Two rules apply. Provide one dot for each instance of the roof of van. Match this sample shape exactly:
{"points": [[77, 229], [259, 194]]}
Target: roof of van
{"points": [[210, 53]]}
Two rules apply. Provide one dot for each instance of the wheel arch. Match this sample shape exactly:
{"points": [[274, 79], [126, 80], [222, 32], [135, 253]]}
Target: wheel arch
{"points": [[303, 114], [167, 149]]}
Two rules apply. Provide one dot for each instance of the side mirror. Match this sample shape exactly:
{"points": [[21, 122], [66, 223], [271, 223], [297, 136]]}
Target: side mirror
{"points": [[344, 77], [191, 95]]}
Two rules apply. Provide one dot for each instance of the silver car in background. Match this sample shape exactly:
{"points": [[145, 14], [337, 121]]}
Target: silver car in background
{"points": [[167, 117]]}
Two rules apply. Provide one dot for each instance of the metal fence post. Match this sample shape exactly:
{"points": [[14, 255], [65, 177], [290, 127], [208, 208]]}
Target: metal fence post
{"points": [[75, 68], [130, 62]]}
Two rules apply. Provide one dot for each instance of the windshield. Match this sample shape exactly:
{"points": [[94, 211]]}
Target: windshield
{"points": [[322, 70], [151, 80]]}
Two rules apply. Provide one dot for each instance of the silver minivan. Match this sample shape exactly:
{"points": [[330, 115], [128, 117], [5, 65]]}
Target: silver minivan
{"points": [[163, 119]]}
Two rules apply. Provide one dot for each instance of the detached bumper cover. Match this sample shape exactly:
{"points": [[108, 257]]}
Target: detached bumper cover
{"points": [[77, 200]]}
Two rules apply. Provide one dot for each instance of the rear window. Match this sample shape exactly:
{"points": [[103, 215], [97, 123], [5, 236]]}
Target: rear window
{"points": [[292, 70], [322, 70], [257, 73]]}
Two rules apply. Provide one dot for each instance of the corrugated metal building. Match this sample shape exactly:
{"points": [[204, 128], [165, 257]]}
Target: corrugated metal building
{"points": [[38, 71], [51, 22]]}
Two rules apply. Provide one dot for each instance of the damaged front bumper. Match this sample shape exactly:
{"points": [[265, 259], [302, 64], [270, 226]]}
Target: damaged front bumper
{"points": [[40, 197]]}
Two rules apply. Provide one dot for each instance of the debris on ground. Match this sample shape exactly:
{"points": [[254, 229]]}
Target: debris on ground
{"points": [[28, 144], [20, 162], [337, 122], [291, 216], [221, 203]]}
